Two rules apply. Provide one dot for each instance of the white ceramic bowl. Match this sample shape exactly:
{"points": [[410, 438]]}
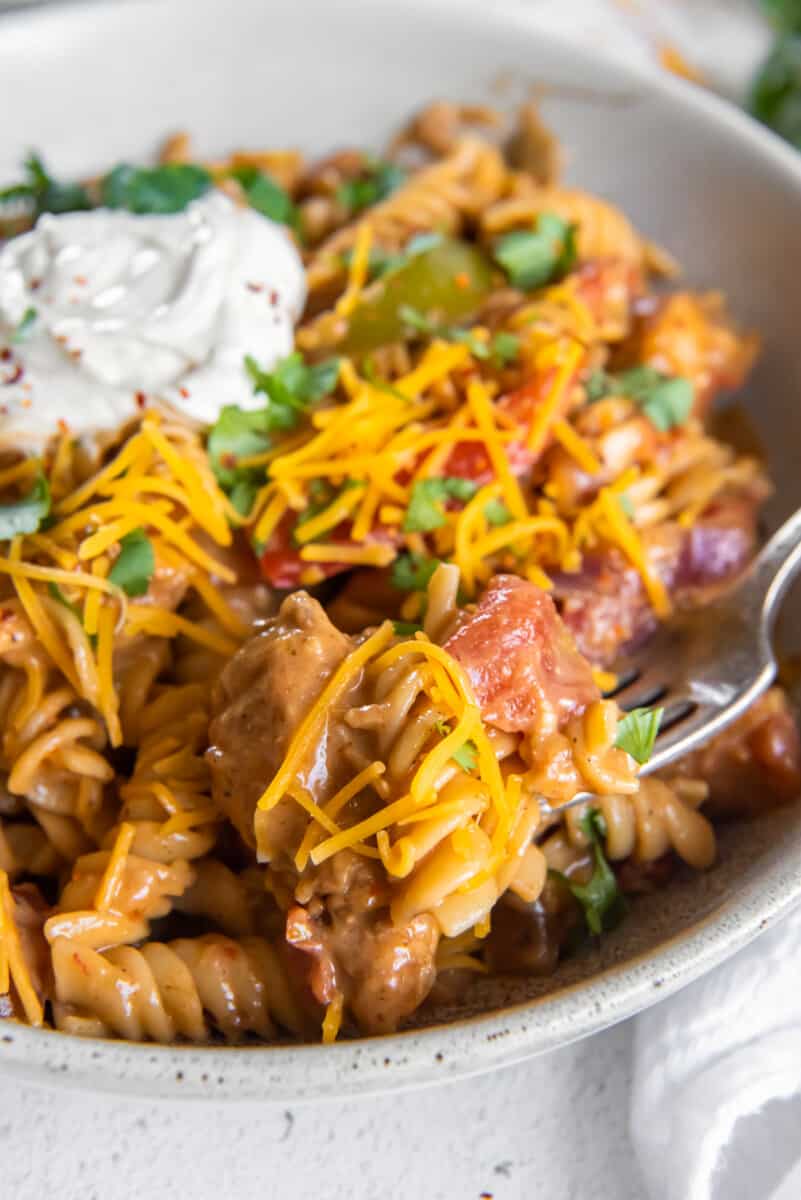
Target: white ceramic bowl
{"points": [[90, 85]]}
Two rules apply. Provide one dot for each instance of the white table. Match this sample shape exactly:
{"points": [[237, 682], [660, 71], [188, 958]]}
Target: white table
{"points": [[554, 1127]]}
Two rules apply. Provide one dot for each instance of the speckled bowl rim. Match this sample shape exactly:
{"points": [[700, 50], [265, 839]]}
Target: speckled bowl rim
{"points": [[475, 1044]]}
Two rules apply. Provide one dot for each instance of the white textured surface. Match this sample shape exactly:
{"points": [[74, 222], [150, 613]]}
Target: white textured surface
{"points": [[554, 1127]]}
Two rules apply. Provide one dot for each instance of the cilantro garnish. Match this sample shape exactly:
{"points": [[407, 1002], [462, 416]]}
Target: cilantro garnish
{"points": [[532, 258], [134, 566], [406, 628], [598, 385], [24, 327], [636, 732], [466, 756], [784, 15], [425, 511], [168, 188], [381, 180], [290, 387], [411, 572], [505, 348], [666, 400], [265, 195], [236, 434], [601, 900], [44, 193], [26, 515], [497, 513]]}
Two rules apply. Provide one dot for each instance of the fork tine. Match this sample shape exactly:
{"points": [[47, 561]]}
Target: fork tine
{"points": [[642, 689]]}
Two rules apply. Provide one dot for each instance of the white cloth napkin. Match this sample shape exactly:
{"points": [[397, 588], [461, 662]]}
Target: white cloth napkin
{"points": [[716, 1095], [716, 1099]]}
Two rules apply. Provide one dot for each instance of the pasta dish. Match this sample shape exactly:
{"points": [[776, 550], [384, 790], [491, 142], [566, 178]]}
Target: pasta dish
{"points": [[332, 493]]}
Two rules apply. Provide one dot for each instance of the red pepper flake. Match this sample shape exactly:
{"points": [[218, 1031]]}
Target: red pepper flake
{"points": [[76, 355], [462, 280], [141, 399], [5, 354], [255, 287], [15, 376], [35, 284], [228, 460], [274, 297], [184, 391], [80, 280], [79, 963], [62, 425]]}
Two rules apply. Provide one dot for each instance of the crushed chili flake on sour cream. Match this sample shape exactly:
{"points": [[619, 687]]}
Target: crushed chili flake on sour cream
{"points": [[100, 309]]}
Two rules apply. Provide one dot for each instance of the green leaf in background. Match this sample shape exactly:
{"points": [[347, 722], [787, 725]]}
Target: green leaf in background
{"points": [[381, 180], [411, 572], [784, 15], [27, 514], [165, 189], [45, 193], [532, 258], [265, 195], [775, 97], [134, 566]]}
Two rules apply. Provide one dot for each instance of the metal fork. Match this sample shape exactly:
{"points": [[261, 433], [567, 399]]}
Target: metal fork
{"points": [[707, 666]]}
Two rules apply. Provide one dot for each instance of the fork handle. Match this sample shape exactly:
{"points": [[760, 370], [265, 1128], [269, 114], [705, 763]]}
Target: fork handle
{"points": [[771, 573]]}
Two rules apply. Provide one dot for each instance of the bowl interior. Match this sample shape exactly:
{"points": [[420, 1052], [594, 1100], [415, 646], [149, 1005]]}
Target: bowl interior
{"points": [[91, 85]]}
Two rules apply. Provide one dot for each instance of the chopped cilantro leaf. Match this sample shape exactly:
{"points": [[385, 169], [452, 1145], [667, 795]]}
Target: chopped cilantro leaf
{"points": [[168, 188], [406, 628], [667, 401], [600, 898], [134, 566], [236, 434], [411, 572], [466, 756], [413, 318], [24, 327], [505, 348], [381, 180], [784, 15], [636, 732], [45, 193], [265, 195], [497, 513], [292, 385], [425, 511], [598, 385], [532, 258], [27, 514]]}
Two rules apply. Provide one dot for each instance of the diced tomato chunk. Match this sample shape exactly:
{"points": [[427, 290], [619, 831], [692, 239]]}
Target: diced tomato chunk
{"points": [[521, 659]]}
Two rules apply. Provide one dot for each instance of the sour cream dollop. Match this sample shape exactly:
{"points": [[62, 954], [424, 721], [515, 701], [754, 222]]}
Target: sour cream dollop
{"points": [[124, 311]]}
